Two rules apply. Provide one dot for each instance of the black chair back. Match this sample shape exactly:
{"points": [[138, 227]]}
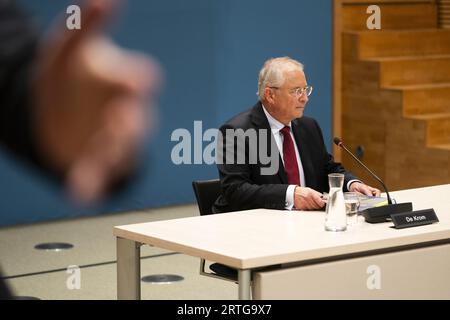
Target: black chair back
{"points": [[206, 192]]}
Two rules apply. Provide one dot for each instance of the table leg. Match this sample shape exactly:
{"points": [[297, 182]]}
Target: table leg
{"points": [[128, 270], [244, 278]]}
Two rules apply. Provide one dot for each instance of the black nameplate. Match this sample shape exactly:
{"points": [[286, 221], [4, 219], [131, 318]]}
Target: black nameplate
{"points": [[414, 218]]}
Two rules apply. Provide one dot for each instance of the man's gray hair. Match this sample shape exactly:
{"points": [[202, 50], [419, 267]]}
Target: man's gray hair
{"points": [[273, 72]]}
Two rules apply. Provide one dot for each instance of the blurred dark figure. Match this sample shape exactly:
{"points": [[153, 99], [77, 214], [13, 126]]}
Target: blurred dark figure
{"points": [[5, 292], [73, 104]]}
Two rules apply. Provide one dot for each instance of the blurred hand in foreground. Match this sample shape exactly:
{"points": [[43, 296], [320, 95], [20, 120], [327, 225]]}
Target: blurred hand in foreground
{"points": [[92, 99]]}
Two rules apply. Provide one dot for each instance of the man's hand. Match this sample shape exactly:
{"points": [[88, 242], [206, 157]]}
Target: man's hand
{"points": [[364, 189], [90, 104], [307, 199]]}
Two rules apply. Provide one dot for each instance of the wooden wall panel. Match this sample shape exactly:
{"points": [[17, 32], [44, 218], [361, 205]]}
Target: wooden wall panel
{"points": [[444, 13], [388, 106], [394, 16]]}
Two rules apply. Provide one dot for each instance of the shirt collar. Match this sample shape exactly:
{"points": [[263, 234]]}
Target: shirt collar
{"points": [[275, 125]]}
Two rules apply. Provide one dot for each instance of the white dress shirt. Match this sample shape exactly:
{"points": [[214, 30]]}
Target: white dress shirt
{"points": [[276, 127]]}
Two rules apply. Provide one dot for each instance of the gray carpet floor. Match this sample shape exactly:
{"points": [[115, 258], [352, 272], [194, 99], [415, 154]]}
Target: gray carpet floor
{"points": [[44, 274]]}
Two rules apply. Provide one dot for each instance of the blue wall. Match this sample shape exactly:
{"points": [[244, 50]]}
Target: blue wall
{"points": [[211, 53]]}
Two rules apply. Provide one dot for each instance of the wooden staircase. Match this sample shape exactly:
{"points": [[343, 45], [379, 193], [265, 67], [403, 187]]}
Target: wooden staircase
{"points": [[396, 92]]}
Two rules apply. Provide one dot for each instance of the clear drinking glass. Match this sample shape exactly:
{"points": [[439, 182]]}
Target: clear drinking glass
{"points": [[352, 204]]}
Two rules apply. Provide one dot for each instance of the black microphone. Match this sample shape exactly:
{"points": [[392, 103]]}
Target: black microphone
{"points": [[377, 214]]}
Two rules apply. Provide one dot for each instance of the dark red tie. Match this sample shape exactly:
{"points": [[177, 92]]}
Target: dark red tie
{"points": [[289, 157]]}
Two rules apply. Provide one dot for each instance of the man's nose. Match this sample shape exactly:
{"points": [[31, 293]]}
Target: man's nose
{"points": [[304, 98]]}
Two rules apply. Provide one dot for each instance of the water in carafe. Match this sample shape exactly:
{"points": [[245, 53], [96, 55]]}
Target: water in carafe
{"points": [[336, 217]]}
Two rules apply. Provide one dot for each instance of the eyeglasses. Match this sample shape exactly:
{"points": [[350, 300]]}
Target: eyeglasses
{"points": [[298, 92]]}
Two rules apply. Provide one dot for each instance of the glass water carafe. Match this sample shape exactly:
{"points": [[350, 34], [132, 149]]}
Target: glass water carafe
{"points": [[336, 217]]}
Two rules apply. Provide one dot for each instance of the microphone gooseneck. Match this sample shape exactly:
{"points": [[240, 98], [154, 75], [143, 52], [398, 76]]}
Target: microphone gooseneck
{"points": [[337, 141]]}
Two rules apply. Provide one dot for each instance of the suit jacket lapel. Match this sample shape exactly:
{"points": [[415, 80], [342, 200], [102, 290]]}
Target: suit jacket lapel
{"points": [[260, 121]]}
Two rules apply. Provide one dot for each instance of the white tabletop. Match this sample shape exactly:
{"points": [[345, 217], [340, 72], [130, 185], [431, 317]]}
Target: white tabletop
{"points": [[261, 237]]}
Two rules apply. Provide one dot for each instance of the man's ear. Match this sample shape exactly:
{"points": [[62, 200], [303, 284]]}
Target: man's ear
{"points": [[269, 95]]}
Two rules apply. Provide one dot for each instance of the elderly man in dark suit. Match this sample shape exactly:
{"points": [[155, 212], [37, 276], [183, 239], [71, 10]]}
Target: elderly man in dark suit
{"points": [[294, 144]]}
